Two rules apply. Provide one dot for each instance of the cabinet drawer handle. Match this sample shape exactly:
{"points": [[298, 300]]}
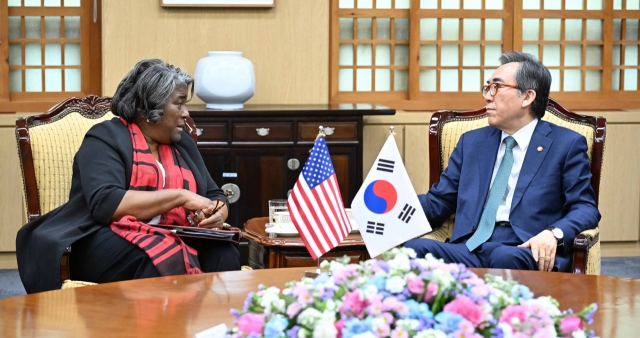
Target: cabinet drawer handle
{"points": [[199, 131], [262, 131], [233, 191], [329, 131], [293, 164]]}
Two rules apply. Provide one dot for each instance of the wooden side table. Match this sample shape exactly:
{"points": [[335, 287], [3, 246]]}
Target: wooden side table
{"points": [[286, 252]]}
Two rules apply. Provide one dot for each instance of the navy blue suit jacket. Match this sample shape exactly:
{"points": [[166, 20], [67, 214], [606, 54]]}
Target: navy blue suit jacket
{"points": [[553, 189]]}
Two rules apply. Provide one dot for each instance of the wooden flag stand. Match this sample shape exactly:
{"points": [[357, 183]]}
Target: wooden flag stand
{"points": [[315, 273]]}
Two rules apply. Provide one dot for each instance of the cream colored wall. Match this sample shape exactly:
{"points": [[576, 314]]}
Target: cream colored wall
{"points": [[288, 44], [11, 196]]}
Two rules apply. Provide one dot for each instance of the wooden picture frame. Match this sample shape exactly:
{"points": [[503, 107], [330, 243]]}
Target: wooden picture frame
{"points": [[218, 3]]}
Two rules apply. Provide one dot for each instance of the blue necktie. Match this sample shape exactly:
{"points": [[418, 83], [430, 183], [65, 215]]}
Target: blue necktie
{"points": [[498, 189]]}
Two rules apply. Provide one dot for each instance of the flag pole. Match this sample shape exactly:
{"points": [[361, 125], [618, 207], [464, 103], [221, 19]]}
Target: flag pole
{"points": [[320, 133], [317, 272]]}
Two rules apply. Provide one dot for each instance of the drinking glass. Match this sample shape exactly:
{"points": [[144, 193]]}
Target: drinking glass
{"points": [[277, 205]]}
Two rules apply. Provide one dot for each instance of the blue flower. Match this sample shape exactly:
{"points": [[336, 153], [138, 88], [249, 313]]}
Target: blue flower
{"points": [[418, 310], [379, 282], [415, 265], [293, 332], [247, 302], [384, 265], [355, 326], [321, 279], [497, 332], [235, 313], [589, 315], [275, 327], [522, 292], [447, 321]]}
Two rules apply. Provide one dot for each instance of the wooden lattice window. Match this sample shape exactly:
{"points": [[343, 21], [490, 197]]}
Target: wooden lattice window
{"points": [[53, 48], [436, 54]]}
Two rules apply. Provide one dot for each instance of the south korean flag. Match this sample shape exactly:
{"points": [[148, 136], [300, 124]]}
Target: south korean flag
{"points": [[387, 204]]}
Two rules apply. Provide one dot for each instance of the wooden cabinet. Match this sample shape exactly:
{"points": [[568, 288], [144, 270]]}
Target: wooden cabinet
{"points": [[267, 252], [262, 149]]}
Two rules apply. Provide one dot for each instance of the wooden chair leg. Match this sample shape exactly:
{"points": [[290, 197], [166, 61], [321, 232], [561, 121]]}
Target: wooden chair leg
{"points": [[65, 270]]}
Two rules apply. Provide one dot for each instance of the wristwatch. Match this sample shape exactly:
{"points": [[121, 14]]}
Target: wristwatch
{"points": [[558, 234]]}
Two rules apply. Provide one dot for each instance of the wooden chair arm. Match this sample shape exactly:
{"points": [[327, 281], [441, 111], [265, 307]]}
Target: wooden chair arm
{"points": [[581, 246]]}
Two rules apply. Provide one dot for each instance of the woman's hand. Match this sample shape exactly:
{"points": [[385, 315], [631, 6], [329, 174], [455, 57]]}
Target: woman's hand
{"points": [[193, 202], [214, 221]]}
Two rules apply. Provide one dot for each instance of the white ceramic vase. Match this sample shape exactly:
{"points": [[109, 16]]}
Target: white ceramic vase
{"points": [[224, 80]]}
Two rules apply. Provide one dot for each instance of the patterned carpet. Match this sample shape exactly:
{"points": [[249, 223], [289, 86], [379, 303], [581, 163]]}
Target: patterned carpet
{"points": [[629, 267]]}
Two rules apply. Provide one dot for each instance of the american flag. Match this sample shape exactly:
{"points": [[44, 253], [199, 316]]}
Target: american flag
{"points": [[315, 204]]}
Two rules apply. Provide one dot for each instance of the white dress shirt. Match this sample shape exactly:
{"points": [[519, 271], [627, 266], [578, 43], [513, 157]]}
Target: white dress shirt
{"points": [[522, 137]]}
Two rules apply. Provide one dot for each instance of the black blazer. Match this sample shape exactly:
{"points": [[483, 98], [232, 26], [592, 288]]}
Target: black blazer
{"points": [[101, 176]]}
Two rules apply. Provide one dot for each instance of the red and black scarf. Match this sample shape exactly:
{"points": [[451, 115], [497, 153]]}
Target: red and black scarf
{"points": [[169, 254]]}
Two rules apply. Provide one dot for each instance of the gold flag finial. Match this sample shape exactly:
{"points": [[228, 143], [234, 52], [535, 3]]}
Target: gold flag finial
{"points": [[392, 130]]}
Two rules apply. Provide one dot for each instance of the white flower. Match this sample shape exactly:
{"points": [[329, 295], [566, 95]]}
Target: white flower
{"points": [[507, 332], [325, 327], [400, 262], [408, 324], [443, 278], [377, 322], [370, 291], [334, 265], [578, 334], [268, 298], [546, 304], [430, 333], [367, 334], [309, 316], [278, 305], [331, 305], [409, 252], [395, 284]]}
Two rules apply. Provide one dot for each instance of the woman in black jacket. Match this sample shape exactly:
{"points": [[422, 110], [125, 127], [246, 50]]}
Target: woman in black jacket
{"points": [[131, 172]]}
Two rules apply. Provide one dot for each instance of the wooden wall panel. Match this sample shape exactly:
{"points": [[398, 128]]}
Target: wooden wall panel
{"points": [[288, 44], [373, 139], [620, 184], [11, 196], [416, 159]]}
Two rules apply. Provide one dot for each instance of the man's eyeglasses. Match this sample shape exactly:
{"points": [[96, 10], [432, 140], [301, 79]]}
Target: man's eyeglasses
{"points": [[493, 88]]}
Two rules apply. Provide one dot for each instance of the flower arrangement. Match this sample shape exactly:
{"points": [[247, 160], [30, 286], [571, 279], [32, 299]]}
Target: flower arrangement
{"points": [[401, 296]]}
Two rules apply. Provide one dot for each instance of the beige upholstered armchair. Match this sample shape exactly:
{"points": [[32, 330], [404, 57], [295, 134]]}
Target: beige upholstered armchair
{"points": [[47, 144], [447, 127]]}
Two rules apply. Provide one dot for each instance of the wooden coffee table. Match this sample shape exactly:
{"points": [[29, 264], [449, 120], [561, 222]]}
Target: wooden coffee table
{"points": [[287, 252], [182, 306]]}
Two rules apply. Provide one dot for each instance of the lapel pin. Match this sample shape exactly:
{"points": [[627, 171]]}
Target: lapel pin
{"points": [[540, 148]]}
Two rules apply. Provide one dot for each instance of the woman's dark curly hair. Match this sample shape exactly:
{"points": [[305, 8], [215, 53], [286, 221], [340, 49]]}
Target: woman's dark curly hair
{"points": [[146, 89]]}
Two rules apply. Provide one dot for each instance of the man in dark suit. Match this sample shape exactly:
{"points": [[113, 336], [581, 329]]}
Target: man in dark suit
{"points": [[520, 188]]}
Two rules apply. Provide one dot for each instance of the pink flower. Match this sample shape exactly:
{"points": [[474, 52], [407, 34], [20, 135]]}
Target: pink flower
{"points": [[387, 318], [293, 309], [250, 323], [390, 304], [339, 326], [415, 285], [354, 302], [375, 308], [513, 312], [432, 291], [569, 324], [382, 330], [399, 333], [465, 307]]}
